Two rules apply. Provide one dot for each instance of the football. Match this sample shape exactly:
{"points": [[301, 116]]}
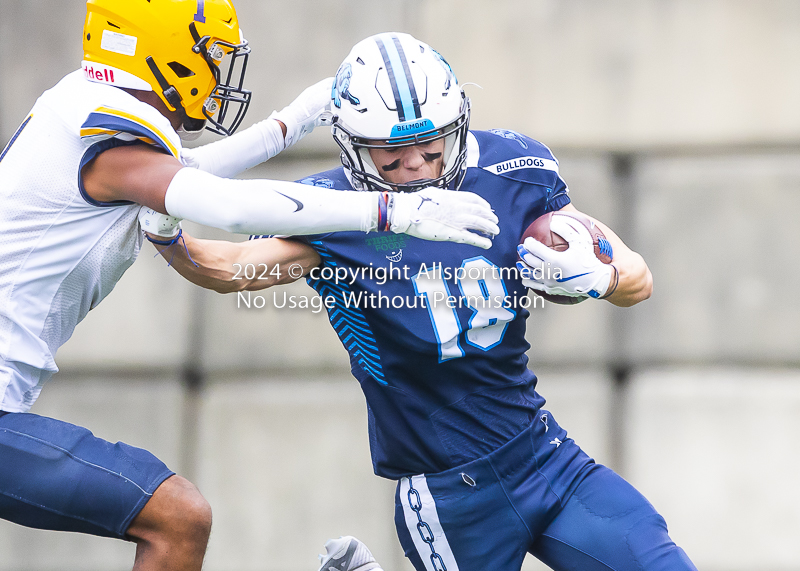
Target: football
{"points": [[540, 230]]}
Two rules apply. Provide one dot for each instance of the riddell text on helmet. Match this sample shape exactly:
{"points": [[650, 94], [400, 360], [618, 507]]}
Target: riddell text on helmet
{"points": [[101, 74]]}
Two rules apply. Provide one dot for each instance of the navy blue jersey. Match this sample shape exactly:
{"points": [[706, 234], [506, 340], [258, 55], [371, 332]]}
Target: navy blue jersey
{"points": [[445, 376]]}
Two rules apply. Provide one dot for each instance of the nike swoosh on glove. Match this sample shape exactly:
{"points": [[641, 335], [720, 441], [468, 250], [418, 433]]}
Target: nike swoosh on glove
{"points": [[574, 272]]}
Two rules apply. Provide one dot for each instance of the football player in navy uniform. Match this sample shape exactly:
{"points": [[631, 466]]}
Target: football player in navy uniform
{"points": [[436, 331]]}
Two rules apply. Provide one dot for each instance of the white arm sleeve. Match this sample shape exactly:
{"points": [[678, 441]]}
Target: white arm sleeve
{"points": [[237, 153], [268, 206]]}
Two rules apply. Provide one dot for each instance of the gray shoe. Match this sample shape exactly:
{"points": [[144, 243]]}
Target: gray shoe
{"points": [[347, 554]]}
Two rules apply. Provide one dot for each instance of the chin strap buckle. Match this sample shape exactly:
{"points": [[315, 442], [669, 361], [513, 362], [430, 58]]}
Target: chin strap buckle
{"points": [[170, 93]]}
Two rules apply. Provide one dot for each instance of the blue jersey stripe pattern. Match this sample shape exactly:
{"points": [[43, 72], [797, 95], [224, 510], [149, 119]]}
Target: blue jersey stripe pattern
{"points": [[353, 330]]}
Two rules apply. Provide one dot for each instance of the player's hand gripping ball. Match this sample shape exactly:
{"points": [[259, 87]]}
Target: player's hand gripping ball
{"points": [[565, 258]]}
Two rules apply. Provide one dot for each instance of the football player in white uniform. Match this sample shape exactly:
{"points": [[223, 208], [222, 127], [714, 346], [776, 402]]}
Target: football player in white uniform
{"points": [[110, 136]]}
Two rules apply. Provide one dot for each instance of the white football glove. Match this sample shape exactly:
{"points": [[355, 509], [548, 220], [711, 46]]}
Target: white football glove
{"points": [[159, 224], [443, 215], [575, 272], [311, 109]]}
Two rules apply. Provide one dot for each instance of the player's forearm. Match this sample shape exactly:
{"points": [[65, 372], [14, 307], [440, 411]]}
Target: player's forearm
{"points": [[267, 206], [635, 280], [233, 155], [264, 140], [207, 263], [227, 267]]}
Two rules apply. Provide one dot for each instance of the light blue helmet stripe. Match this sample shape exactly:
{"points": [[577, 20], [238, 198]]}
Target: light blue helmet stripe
{"points": [[400, 77]]}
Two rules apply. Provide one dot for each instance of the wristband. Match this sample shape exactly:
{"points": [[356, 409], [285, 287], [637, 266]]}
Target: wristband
{"points": [[171, 242], [613, 288], [390, 211], [383, 212], [168, 242]]}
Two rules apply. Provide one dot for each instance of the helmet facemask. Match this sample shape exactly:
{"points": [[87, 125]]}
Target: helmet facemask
{"points": [[228, 61], [358, 162]]}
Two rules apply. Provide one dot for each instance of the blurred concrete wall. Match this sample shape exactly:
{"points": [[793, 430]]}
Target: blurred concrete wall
{"points": [[675, 121]]}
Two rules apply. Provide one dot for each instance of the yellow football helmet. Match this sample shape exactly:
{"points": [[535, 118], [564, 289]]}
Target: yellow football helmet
{"points": [[190, 52]]}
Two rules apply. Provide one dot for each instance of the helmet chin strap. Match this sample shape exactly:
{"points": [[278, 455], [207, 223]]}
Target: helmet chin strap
{"points": [[190, 128], [190, 134], [405, 187], [168, 91], [354, 182]]}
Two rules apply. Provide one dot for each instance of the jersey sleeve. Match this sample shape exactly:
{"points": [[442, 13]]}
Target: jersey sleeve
{"points": [[513, 156], [559, 198], [108, 127], [106, 123]]}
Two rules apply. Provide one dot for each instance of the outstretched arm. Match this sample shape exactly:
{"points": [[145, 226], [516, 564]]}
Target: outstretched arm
{"points": [[142, 174], [221, 266]]}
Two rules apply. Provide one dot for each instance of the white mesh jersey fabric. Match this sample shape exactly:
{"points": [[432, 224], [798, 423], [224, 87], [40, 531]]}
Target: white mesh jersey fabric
{"points": [[59, 255]]}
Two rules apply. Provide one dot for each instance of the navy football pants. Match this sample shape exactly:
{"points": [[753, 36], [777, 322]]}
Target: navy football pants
{"points": [[539, 494], [55, 475]]}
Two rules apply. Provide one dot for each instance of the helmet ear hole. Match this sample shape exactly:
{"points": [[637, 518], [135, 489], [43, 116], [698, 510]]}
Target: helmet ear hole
{"points": [[180, 70]]}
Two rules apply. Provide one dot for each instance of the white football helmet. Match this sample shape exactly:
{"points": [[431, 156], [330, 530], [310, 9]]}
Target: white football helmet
{"points": [[393, 90]]}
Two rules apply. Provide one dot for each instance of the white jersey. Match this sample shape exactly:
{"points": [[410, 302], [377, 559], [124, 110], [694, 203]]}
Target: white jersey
{"points": [[61, 252]]}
